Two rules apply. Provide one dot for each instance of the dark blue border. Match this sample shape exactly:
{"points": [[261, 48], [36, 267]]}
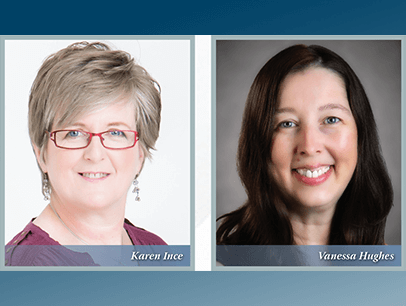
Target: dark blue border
{"points": [[238, 17]]}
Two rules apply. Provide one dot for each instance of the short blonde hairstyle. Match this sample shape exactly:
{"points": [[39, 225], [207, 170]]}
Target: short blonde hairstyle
{"points": [[85, 77]]}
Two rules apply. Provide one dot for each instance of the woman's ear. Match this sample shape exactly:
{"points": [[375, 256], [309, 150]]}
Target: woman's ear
{"points": [[40, 159], [141, 158]]}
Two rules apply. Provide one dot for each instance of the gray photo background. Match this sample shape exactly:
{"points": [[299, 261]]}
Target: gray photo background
{"points": [[377, 64]]}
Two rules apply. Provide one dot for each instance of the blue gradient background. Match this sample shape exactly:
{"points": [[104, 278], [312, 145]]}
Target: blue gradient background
{"points": [[202, 288]]}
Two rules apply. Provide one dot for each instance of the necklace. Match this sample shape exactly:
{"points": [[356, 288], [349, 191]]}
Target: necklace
{"points": [[77, 237]]}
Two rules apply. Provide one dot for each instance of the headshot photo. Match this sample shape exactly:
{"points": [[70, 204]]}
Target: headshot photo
{"points": [[308, 142], [97, 148]]}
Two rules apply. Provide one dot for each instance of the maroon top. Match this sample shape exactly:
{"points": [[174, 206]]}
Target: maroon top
{"points": [[59, 255]]}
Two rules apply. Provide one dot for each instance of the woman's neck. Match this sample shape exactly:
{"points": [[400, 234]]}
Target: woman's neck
{"points": [[311, 226], [310, 234], [70, 226]]}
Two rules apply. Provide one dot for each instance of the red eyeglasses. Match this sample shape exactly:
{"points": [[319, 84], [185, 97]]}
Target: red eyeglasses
{"points": [[78, 139]]}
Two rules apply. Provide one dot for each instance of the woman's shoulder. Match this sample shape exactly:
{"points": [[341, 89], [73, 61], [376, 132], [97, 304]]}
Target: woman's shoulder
{"points": [[140, 236], [33, 247], [32, 235]]}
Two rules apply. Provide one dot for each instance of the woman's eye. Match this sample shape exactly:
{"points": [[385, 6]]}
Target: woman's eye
{"points": [[331, 120], [117, 133], [73, 134], [286, 124]]}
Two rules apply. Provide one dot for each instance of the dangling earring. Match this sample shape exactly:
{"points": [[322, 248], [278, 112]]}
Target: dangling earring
{"points": [[136, 189], [46, 189]]}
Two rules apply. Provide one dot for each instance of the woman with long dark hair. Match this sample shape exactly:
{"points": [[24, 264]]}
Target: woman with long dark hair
{"points": [[309, 157]]}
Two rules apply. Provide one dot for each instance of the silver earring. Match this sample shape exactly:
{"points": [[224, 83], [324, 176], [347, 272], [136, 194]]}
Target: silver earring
{"points": [[136, 190], [46, 188]]}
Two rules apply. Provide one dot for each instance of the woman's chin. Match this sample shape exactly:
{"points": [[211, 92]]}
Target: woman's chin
{"points": [[316, 202], [98, 202]]}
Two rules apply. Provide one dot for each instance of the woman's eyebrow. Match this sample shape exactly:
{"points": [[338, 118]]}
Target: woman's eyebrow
{"points": [[78, 124], [321, 108], [285, 110], [118, 123], [334, 106], [83, 125]]}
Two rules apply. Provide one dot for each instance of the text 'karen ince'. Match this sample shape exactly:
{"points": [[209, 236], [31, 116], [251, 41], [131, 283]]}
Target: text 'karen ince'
{"points": [[156, 256]]}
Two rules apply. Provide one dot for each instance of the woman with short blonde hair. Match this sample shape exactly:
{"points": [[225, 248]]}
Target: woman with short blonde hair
{"points": [[94, 116]]}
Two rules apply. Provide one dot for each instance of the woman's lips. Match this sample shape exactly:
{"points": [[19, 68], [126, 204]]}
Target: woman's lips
{"points": [[321, 175], [94, 176]]}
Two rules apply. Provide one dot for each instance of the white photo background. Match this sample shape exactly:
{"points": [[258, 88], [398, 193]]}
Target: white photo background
{"points": [[164, 182]]}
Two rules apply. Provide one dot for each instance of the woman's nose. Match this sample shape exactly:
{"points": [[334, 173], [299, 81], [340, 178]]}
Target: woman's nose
{"points": [[95, 150], [309, 141]]}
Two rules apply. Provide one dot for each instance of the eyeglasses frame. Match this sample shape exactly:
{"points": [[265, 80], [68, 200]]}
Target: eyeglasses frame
{"points": [[52, 137]]}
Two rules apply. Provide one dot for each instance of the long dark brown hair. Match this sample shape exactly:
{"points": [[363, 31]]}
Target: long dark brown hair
{"points": [[361, 211]]}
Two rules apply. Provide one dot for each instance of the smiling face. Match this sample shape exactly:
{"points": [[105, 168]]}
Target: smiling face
{"points": [[94, 177], [314, 146]]}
